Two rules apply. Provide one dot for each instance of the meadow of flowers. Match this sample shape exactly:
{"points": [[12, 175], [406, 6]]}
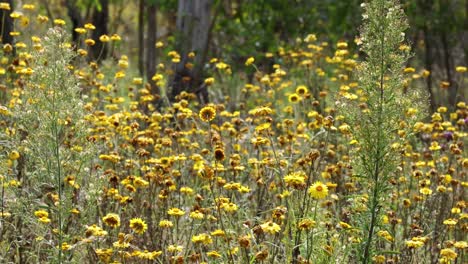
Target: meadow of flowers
{"points": [[97, 168]]}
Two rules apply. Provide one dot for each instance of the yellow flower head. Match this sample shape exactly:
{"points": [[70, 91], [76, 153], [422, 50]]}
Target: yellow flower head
{"points": [[209, 81], [219, 154], [104, 38], [15, 14], [80, 30], [95, 230], [138, 225], [306, 224], [5, 6], [166, 223], [249, 61], [41, 213], [425, 191], [261, 111], [14, 155], [115, 37], [29, 7], [175, 212], [414, 244], [207, 113], [229, 207], [89, 26], [301, 90], [42, 19], [294, 98], [197, 215], [342, 45], [90, 42], [295, 180], [44, 220], [318, 190], [175, 248], [270, 227], [202, 238], [461, 244], [448, 253], [159, 44], [112, 220], [59, 22], [65, 246]]}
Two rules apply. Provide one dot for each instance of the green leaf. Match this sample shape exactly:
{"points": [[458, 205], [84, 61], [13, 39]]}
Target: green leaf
{"points": [[97, 4]]}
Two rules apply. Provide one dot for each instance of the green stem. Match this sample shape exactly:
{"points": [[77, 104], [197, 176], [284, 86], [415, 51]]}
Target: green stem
{"points": [[310, 248], [375, 177]]}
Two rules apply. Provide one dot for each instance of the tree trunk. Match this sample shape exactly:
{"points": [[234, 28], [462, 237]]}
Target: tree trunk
{"points": [[453, 87], [194, 24], [100, 19], [141, 37], [150, 46], [465, 34], [7, 25], [428, 61], [75, 17], [427, 35]]}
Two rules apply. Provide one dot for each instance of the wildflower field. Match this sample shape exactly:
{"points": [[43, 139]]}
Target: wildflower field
{"points": [[318, 152]]}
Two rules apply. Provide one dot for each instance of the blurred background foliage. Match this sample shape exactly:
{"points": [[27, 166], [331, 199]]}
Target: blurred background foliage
{"points": [[239, 29]]}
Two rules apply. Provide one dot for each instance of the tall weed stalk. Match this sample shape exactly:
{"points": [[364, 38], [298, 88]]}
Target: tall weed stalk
{"points": [[376, 117], [50, 120]]}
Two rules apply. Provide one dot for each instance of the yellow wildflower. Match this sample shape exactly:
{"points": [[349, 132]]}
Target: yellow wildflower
{"points": [[138, 225], [318, 190]]}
